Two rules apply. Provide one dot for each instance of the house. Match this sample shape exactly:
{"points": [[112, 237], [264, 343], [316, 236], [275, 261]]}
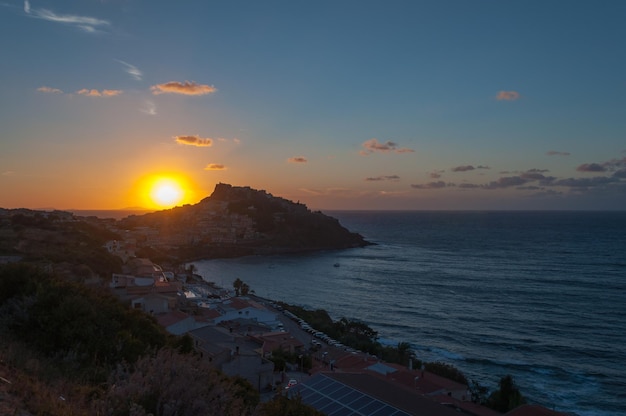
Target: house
{"points": [[179, 323], [233, 354], [271, 341]]}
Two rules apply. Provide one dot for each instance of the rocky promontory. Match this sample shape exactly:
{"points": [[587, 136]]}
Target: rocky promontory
{"points": [[236, 221]]}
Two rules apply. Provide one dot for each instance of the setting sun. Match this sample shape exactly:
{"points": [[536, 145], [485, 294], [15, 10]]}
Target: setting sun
{"points": [[166, 192]]}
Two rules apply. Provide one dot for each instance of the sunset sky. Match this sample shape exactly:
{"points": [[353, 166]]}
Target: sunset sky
{"points": [[337, 104]]}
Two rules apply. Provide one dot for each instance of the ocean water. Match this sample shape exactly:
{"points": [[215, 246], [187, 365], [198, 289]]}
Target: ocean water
{"points": [[538, 295]]}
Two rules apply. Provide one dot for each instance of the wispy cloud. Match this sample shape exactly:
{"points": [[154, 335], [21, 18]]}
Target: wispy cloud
{"points": [[373, 145], [149, 108], [466, 168], [297, 159], [49, 90], [131, 70], [193, 141], [7, 173], [85, 23], [507, 96], [557, 153], [184, 88], [436, 174], [215, 166], [431, 185], [96, 93], [609, 166], [591, 167], [383, 178]]}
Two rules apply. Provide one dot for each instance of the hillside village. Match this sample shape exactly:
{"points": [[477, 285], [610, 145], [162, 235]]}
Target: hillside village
{"points": [[234, 331]]}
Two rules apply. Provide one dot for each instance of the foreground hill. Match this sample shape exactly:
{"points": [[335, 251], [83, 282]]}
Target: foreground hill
{"points": [[236, 221]]}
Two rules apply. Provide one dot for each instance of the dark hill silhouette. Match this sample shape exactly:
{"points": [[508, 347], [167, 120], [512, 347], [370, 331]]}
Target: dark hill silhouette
{"points": [[236, 221]]}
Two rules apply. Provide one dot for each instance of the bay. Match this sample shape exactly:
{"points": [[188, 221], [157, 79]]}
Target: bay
{"points": [[538, 295]]}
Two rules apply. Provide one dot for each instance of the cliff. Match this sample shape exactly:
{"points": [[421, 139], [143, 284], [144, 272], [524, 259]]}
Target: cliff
{"points": [[236, 221]]}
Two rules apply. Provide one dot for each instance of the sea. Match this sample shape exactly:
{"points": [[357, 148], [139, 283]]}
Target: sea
{"points": [[540, 296]]}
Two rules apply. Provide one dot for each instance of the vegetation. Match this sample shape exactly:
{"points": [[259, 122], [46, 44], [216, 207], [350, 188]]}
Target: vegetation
{"points": [[280, 358], [507, 397], [446, 370], [68, 349], [241, 288]]}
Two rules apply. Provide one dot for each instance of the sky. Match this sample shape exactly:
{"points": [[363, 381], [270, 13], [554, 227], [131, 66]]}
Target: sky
{"points": [[343, 104]]}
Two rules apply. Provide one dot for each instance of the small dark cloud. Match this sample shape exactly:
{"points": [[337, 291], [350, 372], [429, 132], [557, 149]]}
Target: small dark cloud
{"points": [[532, 176], [506, 182], [529, 188], [215, 166], [482, 167], [537, 170], [373, 145], [585, 182], [383, 178], [436, 174], [463, 168], [430, 185], [297, 159], [193, 141], [557, 153], [469, 186], [591, 167], [620, 174]]}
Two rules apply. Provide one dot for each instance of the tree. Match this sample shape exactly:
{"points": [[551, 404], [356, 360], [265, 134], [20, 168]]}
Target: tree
{"points": [[237, 285], [479, 392], [245, 289], [507, 397]]}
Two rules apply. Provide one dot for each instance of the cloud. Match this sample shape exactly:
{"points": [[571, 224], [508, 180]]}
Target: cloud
{"points": [[507, 96], [586, 182], [149, 108], [49, 90], [184, 88], [193, 141], [506, 182], [132, 70], [85, 23], [297, 159], [436, 174], [532, 176], [96, 93], [431, 185], [591, 167], [557, 153], [469, 186], [537, 170], [373, 145], [383, 178], [215, 166], [8, 173], [464, 168], [620, 174]]}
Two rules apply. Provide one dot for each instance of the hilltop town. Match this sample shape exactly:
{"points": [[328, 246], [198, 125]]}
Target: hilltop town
{"points": [[267, 343]]}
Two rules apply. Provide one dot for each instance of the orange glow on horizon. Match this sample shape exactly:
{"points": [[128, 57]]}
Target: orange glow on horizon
{"points": [[163, 190]]}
